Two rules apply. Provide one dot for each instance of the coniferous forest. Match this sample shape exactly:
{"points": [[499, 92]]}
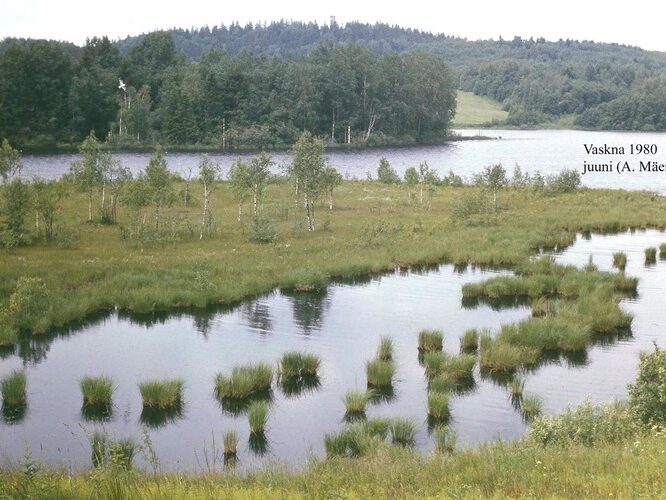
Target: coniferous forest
{"points": [[262, 85]]}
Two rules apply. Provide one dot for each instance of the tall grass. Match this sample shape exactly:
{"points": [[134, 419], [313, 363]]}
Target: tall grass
{"points": [[258, 416], [380, 373], [662, 251], [385, 351], [650, 256], [244, 381], [357, 439], [162, 394], [430, 340], [296, 364], [13, 388], [97, 391]]}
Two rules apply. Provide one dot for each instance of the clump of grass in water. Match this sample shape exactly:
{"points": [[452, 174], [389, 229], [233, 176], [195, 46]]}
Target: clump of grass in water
{"points": [[662, 251], [442, 384], [403, 432], [516, 388], [438, 405], [257, 416], [434, 363], [98, 448], [13, 388], [355, 402], [8, 332], [162, 394], [469, 342], [430, 340], [297, 364], [97, 391], [590, 267], [501, 358], [531, 406], [244, 381], [385, 351], [543, 307], [230, 441], [620, 260], [650, 256], [445, 439], [380, 373], [357, 439]]}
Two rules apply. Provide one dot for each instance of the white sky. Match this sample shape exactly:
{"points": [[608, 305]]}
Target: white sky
{"points": [[633, 23]]}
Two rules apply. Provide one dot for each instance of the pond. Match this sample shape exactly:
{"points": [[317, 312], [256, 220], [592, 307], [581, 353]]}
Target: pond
{"points": [[343, 326], [548, 151]]}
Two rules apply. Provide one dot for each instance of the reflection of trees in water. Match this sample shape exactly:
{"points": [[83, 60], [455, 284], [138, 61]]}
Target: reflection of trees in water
{"points": [[309, 308], [258, 315]]}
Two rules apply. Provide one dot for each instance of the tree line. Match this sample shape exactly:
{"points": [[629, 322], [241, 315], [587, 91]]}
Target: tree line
{"points": [[154, 93]]}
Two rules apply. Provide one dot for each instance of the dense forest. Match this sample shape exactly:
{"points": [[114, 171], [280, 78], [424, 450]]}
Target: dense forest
{"points": [[262, 85]]}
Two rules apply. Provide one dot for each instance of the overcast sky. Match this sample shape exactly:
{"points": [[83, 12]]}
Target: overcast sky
{"points": [[634, 23]]}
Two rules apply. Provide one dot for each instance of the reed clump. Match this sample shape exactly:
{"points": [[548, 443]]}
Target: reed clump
{"points": [[297, 365], [13, 388], [97, 391], [230, 443], [403, 431], [380, 373], [430, 340], [620, 260], [445, 439], [469, 342], [650, 256], [258, 416], [531, 406], [385, 351], [162, 394], [244, 381], [438, 405], [355, 402]]}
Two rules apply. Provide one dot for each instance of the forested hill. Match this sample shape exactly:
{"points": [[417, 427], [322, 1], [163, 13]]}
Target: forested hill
{"points": [[590, 85], [259, 86]]}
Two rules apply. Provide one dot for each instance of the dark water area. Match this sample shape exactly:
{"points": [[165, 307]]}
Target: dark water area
{"points": [[548, 151], [343, 326]]}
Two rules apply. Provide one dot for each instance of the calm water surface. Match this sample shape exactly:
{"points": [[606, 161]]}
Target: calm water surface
{"points": [[548, 151], [343, 326]]}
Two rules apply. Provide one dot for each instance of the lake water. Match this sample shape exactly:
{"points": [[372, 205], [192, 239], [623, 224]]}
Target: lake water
{"points": [[548, 151], [343, 326]]}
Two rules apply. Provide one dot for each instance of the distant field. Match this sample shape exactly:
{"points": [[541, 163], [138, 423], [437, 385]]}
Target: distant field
{"points": [[476, 110]]}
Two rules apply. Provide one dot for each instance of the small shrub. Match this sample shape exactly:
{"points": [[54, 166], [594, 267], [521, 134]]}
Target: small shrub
{"points": [[380, 373], [387, 174], [97, 391], [258, 416], [385, 351], [162, 394], [647, 396], [430, 340], [445, 439], [263, 231], [13, 388], [587, 424]]}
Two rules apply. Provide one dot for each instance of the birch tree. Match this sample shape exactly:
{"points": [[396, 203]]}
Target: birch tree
{"points": [[494, 178], [159, 183], [258, 176], [308, 166], [239, 182], [88, 173], [209, 173], [10, 161], [331, 179]]}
